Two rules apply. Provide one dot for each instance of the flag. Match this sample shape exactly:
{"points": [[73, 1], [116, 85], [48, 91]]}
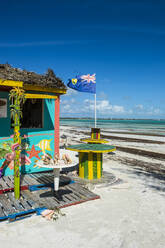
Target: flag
{"points": [[84, 83]]}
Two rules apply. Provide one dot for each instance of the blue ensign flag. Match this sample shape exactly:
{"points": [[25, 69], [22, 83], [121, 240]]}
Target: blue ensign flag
{"points": [[84, 83]]}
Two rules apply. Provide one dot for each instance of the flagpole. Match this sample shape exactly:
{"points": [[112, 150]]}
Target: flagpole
{"points": [[95, 110]]}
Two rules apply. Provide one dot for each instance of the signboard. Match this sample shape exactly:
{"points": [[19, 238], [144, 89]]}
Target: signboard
{"points": [[3, 108]]}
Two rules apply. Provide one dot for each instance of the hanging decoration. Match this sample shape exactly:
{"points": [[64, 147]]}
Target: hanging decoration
{"points": [[17, 98]]}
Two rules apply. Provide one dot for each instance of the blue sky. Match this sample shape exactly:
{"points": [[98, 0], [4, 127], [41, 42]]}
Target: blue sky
{"points": [[122, 41]]}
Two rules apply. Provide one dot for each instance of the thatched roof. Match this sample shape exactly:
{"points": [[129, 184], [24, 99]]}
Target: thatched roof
{"points": [[49, 79]]}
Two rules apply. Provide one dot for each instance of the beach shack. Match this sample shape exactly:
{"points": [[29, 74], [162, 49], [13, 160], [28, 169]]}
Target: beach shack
{"points": [[39, 130]]}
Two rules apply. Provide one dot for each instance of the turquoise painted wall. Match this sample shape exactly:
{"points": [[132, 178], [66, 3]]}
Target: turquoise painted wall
{"points": [[41, 140]]}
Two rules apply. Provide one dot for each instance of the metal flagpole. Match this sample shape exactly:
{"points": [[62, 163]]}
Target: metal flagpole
{"points": [[95, 110]]}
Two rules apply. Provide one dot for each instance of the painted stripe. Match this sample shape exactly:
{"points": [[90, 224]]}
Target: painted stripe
{"points": [[57, 126], [11, 83], [99, 165], [81, 167], [95, 165], [90, 165], [39, 96], [101, 155], [27, 136], [85, 163], [44, 89]]}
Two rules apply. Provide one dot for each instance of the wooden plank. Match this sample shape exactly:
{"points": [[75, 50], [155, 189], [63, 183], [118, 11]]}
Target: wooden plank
{"points": [[35, 197], [52, 202], [42, 180], [40, 96], [25, 204], [3, 183], [6, 204], [49, 178], [69, 197], [15, 202], [90, 165], [25, 179], [85, 192], [49, 201], [80, 194], [9, 182], [72, 195], [30, 180], [38, 180], [44, 89], [2, 214], [11, 83], [28, 197]]}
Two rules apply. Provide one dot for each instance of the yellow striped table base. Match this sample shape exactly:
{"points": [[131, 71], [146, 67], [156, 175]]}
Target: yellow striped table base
{"points": [[90, 165]]}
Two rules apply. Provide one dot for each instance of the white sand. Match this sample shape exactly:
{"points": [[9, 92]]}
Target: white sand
{"points": [[128, 215]]}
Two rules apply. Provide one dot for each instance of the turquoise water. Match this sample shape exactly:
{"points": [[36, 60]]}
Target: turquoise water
{"points": [[156, 126]]}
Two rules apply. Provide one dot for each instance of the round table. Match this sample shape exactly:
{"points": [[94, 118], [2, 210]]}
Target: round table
{"points": [[90, 159], [56, 170], [95, 141]]}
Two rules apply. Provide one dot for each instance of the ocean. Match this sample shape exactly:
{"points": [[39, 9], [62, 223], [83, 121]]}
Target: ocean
{"points": [[156, 126]]}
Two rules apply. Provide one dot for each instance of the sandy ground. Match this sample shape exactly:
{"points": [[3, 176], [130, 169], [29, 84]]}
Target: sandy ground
{"points": [[128, 215]]}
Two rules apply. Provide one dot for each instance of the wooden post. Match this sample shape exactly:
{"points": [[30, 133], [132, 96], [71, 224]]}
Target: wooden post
{"points": [[17, 152], [17, 97], [57, 126]]}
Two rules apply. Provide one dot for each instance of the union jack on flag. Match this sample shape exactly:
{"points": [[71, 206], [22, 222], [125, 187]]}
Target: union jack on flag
{"points": [[89, 78], [84, 83]]}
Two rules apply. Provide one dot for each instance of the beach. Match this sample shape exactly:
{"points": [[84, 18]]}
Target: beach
{"points": [[130, 212]]}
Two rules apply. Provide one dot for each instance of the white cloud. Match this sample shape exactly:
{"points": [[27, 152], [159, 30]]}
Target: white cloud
{"points": [[72, 100], [73, 106], [102, 95], [118, 109], [153, 111], [71, 92], [139, 107], [104, 107], [67, 108]]}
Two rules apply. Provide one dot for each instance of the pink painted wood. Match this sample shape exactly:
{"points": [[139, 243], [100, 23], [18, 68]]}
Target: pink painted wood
{"points": [[56, 126]]}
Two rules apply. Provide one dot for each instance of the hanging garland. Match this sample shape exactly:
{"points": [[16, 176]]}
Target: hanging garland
{"points": [[17, 98]]}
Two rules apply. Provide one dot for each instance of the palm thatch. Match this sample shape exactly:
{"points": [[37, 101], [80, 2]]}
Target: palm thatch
{"points": [[49, 79]]}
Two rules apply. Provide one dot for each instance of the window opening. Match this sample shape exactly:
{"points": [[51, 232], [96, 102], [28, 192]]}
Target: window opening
{"points": [[32, 112]]}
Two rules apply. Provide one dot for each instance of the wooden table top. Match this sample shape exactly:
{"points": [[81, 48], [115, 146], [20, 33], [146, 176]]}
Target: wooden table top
{"points": [[96, 148]]}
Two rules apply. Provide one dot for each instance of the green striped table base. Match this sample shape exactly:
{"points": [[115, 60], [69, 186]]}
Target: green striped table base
{"points": [[90, 165]]}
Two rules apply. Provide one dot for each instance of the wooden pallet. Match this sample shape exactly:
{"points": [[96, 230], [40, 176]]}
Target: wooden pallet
{"points": [[11, 209], [27, 181], [32, 202], [71, 194]]}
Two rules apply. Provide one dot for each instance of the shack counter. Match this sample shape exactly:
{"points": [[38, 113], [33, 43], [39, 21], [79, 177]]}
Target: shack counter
{"points": [[40, 122]]}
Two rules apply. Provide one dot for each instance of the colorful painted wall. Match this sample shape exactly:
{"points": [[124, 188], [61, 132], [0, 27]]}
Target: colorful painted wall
{"points": [[35, 142]]}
